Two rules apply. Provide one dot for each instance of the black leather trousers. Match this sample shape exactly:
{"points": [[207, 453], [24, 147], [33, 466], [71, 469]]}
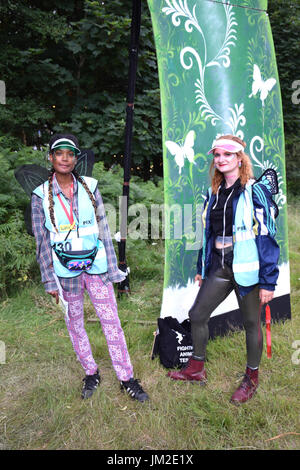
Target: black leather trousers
{"points": [[214, 289]]}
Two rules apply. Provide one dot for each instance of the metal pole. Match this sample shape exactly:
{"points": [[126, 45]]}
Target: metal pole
{"points": [[124, 287]]}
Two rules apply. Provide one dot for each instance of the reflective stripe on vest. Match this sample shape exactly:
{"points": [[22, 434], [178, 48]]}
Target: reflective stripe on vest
{"points": [[246, 267], [245, 264], [245, 255], [244, 235]]}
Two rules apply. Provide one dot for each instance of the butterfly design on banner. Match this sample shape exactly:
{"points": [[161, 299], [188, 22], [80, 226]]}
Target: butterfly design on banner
{"points": [[259, 85], [180, 152]]}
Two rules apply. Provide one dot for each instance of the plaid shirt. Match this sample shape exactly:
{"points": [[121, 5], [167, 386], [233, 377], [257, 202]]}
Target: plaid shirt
{"points": [[44, 250]]}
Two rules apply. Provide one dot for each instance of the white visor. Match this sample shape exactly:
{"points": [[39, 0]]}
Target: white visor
{"points": [[66, 143], [226, 144]]}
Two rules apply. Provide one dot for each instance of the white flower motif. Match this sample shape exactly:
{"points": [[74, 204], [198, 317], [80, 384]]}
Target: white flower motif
{"points": [[179, 8], [84, 345], [104, 311], [237, 118], [99, 292], [116, 353], [111, 332]]}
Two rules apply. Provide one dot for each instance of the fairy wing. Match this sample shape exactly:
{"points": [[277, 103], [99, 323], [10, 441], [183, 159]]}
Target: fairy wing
{"points": [[28, 220], [30, 177], [85, 163], [270, 180]]}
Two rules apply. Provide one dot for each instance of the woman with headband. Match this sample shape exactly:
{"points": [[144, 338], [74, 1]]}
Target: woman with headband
{"points": [[239, 253], [75, 252]]}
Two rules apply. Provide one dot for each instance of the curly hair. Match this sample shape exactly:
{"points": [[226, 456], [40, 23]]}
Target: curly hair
{"points": [[245, 170]]}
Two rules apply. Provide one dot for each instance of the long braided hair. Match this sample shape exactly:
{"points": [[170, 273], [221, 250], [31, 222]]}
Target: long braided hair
{"points": [[77, 176]]}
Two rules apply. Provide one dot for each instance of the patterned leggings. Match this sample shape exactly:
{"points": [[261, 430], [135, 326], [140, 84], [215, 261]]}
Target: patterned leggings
{"points": [[103, 298]]}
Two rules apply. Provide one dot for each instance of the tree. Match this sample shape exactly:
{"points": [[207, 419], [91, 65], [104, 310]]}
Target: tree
{"points": [[285, 22], [67, 69], [65, 65]]}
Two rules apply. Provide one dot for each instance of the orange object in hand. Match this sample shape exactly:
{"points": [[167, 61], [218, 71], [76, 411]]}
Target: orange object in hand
{"points": [[268, 331]]}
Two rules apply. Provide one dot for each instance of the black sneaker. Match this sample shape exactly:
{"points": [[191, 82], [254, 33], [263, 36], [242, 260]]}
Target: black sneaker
{"points": [[134, 389], [91, 382]]}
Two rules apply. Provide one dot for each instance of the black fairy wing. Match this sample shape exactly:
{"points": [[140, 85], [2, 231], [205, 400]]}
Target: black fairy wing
{"points": [[30, 177], [269, 179], [27, 219], [85, 163]]}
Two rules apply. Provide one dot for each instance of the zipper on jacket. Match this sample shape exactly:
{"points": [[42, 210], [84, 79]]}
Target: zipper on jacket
{"points": [[224, 226]]}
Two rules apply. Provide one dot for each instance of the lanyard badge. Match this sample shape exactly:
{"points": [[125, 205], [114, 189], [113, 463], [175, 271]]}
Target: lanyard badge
{"points": [[70, 215]]}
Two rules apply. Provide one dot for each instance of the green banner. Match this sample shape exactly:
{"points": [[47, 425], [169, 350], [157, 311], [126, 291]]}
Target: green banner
{"points": [[218, 75]]}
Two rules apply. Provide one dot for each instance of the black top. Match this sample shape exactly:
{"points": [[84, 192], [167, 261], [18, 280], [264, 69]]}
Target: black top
{"points": [[217, 211]]}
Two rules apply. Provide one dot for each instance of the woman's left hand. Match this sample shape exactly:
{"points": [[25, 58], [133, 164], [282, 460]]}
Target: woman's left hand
{"points": [[265, 296]]}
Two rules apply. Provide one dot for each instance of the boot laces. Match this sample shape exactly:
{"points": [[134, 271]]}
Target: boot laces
{"points": [[187, 365], [246, 382]]}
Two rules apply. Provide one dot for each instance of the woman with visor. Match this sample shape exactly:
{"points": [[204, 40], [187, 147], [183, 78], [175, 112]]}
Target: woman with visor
{"points": [[239, 253], [75, 252]]}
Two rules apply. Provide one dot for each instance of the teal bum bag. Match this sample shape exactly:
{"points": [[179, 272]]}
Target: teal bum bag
{"points": [[77, 260]]}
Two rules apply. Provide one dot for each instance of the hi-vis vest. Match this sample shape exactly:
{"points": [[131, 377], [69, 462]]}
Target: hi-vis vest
{"points": [[84, 235], [245, 264]]}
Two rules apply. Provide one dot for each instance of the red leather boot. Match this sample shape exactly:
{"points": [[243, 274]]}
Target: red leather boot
{"points": [[194, 371], [247, 388]]}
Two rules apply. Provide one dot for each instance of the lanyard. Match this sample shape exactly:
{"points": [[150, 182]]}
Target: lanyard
{"points": [[69, 216]]}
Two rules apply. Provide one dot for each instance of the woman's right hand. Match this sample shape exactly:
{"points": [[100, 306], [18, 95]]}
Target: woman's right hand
{"points": [[198, 278], [54, 294]]}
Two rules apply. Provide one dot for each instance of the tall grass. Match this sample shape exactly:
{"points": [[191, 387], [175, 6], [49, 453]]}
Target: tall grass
{"points": [[40, 382]]}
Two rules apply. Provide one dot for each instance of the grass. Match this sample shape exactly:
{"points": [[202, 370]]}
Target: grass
{"points": [[40, 383]]}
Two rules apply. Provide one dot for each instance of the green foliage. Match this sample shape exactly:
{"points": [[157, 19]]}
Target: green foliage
{"points": [[70, 72], [143, 193], [17, 253], [65, 65], [11, 196], [111, 184], [17, 248], [285, 22]]}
